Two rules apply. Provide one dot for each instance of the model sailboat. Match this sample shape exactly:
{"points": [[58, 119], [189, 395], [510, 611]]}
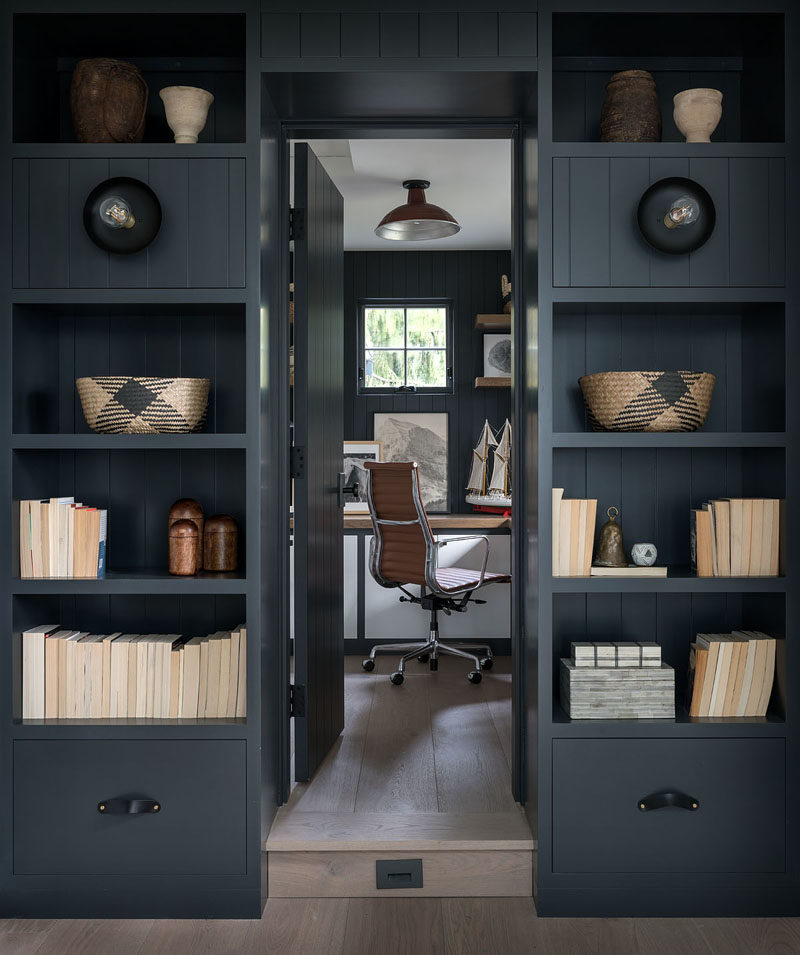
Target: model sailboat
{"points": [[493, 494]]}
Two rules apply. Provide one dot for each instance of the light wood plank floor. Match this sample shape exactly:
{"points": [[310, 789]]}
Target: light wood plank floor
{"points": [[402, 927], [435, 744]]}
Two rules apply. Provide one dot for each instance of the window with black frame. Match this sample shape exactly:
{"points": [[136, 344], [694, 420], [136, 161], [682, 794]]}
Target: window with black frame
{"points": [[405, 346]]}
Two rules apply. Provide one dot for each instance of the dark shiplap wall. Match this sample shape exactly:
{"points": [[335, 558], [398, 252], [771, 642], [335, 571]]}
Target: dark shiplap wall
{"points": [[388, 35], [201, 243], [596, 241], [472, 280]]}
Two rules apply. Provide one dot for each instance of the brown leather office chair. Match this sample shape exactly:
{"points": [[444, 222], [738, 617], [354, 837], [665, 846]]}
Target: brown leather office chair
{"points": [[404, 552]]}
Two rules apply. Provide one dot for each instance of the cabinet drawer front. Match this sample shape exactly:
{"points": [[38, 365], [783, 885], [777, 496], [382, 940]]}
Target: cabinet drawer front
{"points": [[739, 785], [200, 827]]}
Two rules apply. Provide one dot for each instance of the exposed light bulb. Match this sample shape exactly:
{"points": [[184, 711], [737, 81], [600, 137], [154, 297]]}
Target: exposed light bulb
{"points": [[117, 213], [683, 211]]}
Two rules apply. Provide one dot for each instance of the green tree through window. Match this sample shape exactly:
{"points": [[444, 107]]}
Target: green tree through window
{"points": [[405, 345]]}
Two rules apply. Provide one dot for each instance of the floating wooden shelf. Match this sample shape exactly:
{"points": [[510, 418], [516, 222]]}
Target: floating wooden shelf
{"points": [[493, 382], [493, 323]]}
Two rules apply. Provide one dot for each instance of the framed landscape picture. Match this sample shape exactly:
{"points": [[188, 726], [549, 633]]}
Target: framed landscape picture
{"points": [[355, 454], [420, 437]]}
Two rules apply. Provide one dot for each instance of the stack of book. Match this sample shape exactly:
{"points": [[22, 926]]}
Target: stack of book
{"points": [[731, 674], [610, 681], [61, 538], [737, 537], [69, 674], [573, 535]]}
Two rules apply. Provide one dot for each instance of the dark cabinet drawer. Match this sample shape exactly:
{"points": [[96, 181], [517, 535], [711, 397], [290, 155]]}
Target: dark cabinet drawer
{"points": [[739, 785], [200, 828]]}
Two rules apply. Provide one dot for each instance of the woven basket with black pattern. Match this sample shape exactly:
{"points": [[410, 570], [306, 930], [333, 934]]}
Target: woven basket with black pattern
{"points": [[647, 400], [123, 404]]}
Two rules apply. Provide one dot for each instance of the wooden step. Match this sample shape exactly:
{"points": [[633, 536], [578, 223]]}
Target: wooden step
{"points": [[333, 854]]}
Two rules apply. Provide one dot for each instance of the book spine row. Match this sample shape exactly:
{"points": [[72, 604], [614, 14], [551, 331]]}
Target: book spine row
{"points": [[61, 538], [737, 537], [731, 674], [68, 674]]}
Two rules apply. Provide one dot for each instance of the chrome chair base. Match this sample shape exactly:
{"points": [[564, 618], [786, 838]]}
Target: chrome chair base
{"points": [[429, 653]]}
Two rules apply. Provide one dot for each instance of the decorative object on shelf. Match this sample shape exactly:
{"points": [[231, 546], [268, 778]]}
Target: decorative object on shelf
{"points": [[631, 112], [647, 400], [108, 99], [610, 551], [644, 555], [187, 509], [355, 454], [183, 546], [221, 544], [124, 404], [676, 215], [186, 109], [417, 218], [496, 356], [573, 524], [122, 215], [420, 437], [617, 692], [505, 291], [620, 654], [697, 113], [493, 495]]}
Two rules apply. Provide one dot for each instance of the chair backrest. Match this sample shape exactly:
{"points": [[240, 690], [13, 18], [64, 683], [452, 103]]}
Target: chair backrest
{"points": [[403, 540]]}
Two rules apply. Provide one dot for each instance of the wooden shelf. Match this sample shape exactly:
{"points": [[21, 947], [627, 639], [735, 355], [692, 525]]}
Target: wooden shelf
{"points": [[493, 382], [120, 442], [650, 439], [493, 323], [681, 725]]}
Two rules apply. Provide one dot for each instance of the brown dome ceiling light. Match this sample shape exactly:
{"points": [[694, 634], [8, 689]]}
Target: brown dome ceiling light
{"points": [[417, 219]]}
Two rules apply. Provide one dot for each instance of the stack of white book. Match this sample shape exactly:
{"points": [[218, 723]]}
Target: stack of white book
{"points": [[69, 674]]}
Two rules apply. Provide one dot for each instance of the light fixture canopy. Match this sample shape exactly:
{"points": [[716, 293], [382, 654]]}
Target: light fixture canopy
{"points": [[417, 218]]}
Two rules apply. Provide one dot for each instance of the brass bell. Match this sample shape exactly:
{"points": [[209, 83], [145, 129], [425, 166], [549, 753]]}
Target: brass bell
{"points": [[610, 551]]}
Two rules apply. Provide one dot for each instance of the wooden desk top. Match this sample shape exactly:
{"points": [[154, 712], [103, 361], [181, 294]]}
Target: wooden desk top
{"points": [[353, 522]]}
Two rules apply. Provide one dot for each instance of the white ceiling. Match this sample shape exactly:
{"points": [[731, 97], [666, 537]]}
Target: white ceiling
{"points": [[471, 179]]}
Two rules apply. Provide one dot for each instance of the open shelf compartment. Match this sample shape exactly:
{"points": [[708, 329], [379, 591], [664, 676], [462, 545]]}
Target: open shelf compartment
{"points": [[741, 54], [742, 344], [196, 49], [55, 344]]}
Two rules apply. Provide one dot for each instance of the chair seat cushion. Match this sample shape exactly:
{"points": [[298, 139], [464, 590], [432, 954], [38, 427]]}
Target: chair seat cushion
{"points": [[456, 578]]}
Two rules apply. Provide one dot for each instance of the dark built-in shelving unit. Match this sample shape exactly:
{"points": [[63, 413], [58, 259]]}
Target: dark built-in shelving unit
{"points": [[188, 305], [609, 302]]}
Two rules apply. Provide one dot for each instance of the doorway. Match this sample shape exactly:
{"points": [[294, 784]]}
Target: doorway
{"points": [[360, 688]]}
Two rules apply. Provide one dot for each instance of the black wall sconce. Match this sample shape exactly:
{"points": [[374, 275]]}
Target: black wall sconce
{"points": [[676, 215], [122, 215]]}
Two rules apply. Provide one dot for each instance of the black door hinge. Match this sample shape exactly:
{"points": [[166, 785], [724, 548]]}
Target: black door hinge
{"points": [[297, 699], [297, 462], [297, 224]]}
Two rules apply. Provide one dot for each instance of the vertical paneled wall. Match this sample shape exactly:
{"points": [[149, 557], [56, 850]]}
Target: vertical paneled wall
{"points": [[472, 281]]}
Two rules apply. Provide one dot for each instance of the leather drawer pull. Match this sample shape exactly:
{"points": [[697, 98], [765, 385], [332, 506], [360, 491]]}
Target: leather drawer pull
{"points": [[128, 807], [663, 800]]}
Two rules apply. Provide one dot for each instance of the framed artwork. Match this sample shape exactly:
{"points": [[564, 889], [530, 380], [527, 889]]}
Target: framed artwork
{"points": [[420, 437], [497, 356], [355, 454]]}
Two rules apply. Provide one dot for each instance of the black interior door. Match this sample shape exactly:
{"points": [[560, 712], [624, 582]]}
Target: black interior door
{"points": [[318, 437]]}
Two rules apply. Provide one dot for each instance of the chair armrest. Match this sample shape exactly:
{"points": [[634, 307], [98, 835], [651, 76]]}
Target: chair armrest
{"points": [[441, 542]]}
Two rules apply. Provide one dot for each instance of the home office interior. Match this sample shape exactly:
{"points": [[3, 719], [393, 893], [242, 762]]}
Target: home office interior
{"points": [[400, 435]]}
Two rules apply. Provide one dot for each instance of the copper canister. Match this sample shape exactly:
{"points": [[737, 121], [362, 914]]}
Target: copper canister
{"points": [[187, 509], [183, 548], [220, 543]]}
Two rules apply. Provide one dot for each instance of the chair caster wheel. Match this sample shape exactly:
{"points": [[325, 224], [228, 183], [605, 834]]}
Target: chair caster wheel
{"points": [[434, 664], [396, 678], [487, 663], [368, 665], [474, 676], [423, 657]]}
